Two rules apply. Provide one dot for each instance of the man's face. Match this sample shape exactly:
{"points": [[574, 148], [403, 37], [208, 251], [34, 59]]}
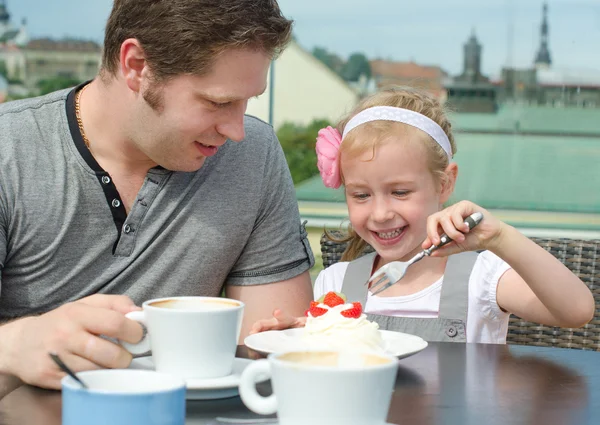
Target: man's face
{"points": [[183, 121]]}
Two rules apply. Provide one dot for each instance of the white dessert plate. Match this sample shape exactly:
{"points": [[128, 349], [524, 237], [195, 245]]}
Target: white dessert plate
{"points": [[205, 389], [396, 343]]}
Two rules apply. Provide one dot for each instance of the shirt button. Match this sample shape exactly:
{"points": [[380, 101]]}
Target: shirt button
{"points": [[105, 179], [127, 228], [116, 203], [451, 332]]}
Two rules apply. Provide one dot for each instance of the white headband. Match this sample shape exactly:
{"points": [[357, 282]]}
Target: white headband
{"points": [[405, 116]]}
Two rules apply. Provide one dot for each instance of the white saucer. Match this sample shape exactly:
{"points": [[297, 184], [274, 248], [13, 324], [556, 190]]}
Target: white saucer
{"points": [[259, 421], [205, 389], [396, 343]]}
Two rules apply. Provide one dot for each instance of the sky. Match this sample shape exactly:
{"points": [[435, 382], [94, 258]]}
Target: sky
{"points": [[429, 32]]}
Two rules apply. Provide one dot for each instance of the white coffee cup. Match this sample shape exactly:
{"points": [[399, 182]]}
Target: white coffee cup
{"points": [[190, 337], [322, 387]]}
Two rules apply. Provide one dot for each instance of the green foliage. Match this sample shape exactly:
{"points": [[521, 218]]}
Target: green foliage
{"points": [[298, 143], [357, 65], [3, 70], [351, 70], [331, 60], [17, 97], [56, 83]]}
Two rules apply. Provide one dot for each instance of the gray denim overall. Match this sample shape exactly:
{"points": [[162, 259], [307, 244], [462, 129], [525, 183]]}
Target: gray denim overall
{"points": [[450, 326]]}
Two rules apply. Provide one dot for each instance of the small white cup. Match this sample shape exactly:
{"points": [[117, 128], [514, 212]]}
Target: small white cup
{"points": [[322, 388], [190, 337]]}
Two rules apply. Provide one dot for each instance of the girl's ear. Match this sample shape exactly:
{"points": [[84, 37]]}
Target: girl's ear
{"points": [[449, 181]]}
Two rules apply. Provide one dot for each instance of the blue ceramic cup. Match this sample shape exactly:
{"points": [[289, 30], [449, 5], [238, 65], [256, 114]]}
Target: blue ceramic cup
{"points": [[123, 397]]}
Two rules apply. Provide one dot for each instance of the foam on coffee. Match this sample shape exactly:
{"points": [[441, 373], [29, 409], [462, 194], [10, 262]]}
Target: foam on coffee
{"points": [[343, 359], [194, 304]]}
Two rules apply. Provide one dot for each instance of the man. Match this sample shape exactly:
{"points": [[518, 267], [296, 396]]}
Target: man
{"points": [[136, 184]]}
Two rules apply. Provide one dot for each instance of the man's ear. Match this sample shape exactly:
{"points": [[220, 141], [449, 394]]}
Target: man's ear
{"points": [[133, 64], [449, 181]]}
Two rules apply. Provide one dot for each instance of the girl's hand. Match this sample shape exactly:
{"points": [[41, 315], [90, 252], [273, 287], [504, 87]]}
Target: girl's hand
{"points": [[279, 321], [485, 236]]}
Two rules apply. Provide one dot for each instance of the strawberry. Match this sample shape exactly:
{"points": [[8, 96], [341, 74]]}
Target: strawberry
{"points": [[353, 312], [332, 296], [314, 310], [332, 299]]}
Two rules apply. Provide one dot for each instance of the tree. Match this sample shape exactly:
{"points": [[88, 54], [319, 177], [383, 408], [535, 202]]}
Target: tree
{"points": [[357, 65], [56, 83], [298, 143], [3, 69], [331, 60]]}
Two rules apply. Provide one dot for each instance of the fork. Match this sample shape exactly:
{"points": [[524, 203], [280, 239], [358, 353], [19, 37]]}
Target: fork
{"points": [[388, 274]]}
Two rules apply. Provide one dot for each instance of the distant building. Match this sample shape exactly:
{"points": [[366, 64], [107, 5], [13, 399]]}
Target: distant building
{"points": [[428, 78], [518, 85], [9, 35], [541, 85], [559, 88], [44, 58], [29, 61], [304, 90], [569, 87], [548, 86], [471, 91]]}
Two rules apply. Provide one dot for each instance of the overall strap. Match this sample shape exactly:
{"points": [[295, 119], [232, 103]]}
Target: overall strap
{"points": [[454, 299], [357, 274]]}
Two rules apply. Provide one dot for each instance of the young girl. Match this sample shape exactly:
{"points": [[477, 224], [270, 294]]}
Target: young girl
{"points": [[393, 155]]}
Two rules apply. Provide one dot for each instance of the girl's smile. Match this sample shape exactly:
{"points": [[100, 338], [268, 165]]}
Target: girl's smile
{"points": [[390, 237], [390, 192]]}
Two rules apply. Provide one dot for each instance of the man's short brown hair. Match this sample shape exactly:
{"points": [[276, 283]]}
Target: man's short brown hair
{"points": [[185, 36]]}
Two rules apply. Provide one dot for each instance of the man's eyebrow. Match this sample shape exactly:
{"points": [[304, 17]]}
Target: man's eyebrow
{"points": [[225, 98]]}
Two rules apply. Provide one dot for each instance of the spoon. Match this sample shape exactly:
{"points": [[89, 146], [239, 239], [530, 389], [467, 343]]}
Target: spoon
{"points": [[66, 369]]}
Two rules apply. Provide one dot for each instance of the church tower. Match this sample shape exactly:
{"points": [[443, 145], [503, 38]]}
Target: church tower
{"points": [[472, 60], [542, 59], [4, 18]]}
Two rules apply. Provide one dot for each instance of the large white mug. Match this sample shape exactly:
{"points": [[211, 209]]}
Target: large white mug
{"points": [[190, 337], [322, 387]]}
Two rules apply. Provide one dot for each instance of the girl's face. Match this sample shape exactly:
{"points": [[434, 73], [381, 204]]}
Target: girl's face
{"points": [[390, 195]]}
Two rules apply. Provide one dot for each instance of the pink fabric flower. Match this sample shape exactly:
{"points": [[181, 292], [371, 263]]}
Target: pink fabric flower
{"points": [[328, 147]]}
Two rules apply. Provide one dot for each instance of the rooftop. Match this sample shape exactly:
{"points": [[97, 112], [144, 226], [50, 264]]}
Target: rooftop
{"points": [[569, 77], [542, 120], [405, 69], [402, 73], [71, 45]]}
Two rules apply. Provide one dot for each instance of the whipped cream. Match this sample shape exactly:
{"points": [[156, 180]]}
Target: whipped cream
{"points": [[334, 331]]}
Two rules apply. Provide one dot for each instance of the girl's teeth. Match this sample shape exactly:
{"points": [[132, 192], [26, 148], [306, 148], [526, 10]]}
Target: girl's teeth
{"points": [[390, 235]]}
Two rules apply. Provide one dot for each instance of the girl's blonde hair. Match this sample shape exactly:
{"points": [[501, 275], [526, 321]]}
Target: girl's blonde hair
{"points": [[369, 136]]}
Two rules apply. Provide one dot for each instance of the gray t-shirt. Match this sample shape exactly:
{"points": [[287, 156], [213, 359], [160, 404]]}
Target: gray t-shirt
{"points": [[64, 233]]}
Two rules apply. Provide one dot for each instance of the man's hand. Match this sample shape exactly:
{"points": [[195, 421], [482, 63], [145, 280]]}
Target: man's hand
{"points": [[72, 331]]}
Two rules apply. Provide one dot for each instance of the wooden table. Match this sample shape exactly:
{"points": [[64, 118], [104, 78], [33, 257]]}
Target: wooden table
{"points": [[449, 384]]}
